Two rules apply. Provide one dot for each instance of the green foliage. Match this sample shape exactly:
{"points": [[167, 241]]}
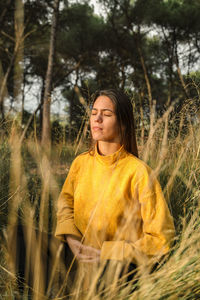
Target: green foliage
{"points": [[104, 51], [56, 132]]}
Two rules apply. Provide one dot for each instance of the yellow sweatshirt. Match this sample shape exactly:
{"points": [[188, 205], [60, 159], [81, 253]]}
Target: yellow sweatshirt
{"points": [[115, 204]]}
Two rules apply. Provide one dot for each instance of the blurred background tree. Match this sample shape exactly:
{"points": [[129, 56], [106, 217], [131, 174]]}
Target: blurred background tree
{"points": [[150, 49]]}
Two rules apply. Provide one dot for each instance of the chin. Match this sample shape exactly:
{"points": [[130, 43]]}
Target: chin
{"points": [[97, 137]]}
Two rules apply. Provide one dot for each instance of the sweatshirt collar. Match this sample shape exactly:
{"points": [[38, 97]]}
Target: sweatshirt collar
{"points": [[112, 158]]}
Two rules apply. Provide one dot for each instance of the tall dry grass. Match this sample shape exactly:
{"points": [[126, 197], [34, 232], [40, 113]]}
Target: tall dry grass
{"points": [[30, 185]]}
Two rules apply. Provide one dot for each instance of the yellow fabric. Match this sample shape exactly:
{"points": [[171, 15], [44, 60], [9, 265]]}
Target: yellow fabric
{"points": [[115, 204]]}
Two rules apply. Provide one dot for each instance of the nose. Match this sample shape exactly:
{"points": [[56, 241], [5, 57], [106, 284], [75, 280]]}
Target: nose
{"points": [[98, 118]]}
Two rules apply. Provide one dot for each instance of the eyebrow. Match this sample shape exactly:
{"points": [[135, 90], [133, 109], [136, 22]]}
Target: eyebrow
{"points": [[104, 109]]}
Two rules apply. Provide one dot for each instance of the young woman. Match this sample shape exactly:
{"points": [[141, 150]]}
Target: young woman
{"points": [[111, 206]]}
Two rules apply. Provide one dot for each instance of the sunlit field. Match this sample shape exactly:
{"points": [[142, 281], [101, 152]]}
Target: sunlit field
{"points": [[53, 56], [30, 183]]}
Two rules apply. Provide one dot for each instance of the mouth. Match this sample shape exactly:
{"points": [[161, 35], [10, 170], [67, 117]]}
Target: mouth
{"points": [[95, 128]]}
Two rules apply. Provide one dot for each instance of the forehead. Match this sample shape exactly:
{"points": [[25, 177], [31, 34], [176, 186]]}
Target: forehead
{"points": [[104, 102]]}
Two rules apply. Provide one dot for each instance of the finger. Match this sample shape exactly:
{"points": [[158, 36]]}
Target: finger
{"points": [[91, 260], [89, 249], [89, 256], [81, 256]]}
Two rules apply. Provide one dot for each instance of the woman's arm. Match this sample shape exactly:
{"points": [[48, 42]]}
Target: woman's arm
{"points": [[157, 224], [65, 208], [66, 230]]}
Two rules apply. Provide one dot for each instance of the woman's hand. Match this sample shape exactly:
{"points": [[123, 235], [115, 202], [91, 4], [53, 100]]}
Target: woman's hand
{"points": [[82, 252]]}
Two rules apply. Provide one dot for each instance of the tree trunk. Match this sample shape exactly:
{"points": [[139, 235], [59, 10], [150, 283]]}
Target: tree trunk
{"points": [[29, 122], [3, 86], [146, 77], [23, 98], [18, 63], [142, 137], [3, 93], [46, 126], [41, 107], [180, 75], [148, 85], [170, 55]]}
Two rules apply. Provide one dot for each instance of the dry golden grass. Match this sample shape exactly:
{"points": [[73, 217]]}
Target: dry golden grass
{"points": [[175, 159]]}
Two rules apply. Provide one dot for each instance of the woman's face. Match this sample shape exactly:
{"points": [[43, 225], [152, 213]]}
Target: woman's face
{"points": [[103, 121]]}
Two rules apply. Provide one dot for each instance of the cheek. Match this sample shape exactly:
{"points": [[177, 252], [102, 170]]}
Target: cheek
{"points": [[91, 122], [113, 126]]}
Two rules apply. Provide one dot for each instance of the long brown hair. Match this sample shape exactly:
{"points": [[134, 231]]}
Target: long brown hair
{"points": [[124, 113]]}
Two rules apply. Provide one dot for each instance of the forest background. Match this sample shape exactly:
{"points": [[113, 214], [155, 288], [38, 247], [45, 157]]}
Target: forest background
{"points": [[53, 56]]}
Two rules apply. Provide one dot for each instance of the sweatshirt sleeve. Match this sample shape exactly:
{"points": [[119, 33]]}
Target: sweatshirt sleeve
{"points": [[157, 223], [65, 208]]}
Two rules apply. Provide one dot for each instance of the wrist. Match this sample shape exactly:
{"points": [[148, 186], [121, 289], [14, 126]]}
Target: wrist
{"points": [[69, 237]]}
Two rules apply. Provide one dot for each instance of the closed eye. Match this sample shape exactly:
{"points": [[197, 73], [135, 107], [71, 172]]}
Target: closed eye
{"points": [[93, 112], [105, 112]]}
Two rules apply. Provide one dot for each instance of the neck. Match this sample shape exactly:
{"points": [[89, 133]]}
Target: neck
{"points": [[105, 148]]}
